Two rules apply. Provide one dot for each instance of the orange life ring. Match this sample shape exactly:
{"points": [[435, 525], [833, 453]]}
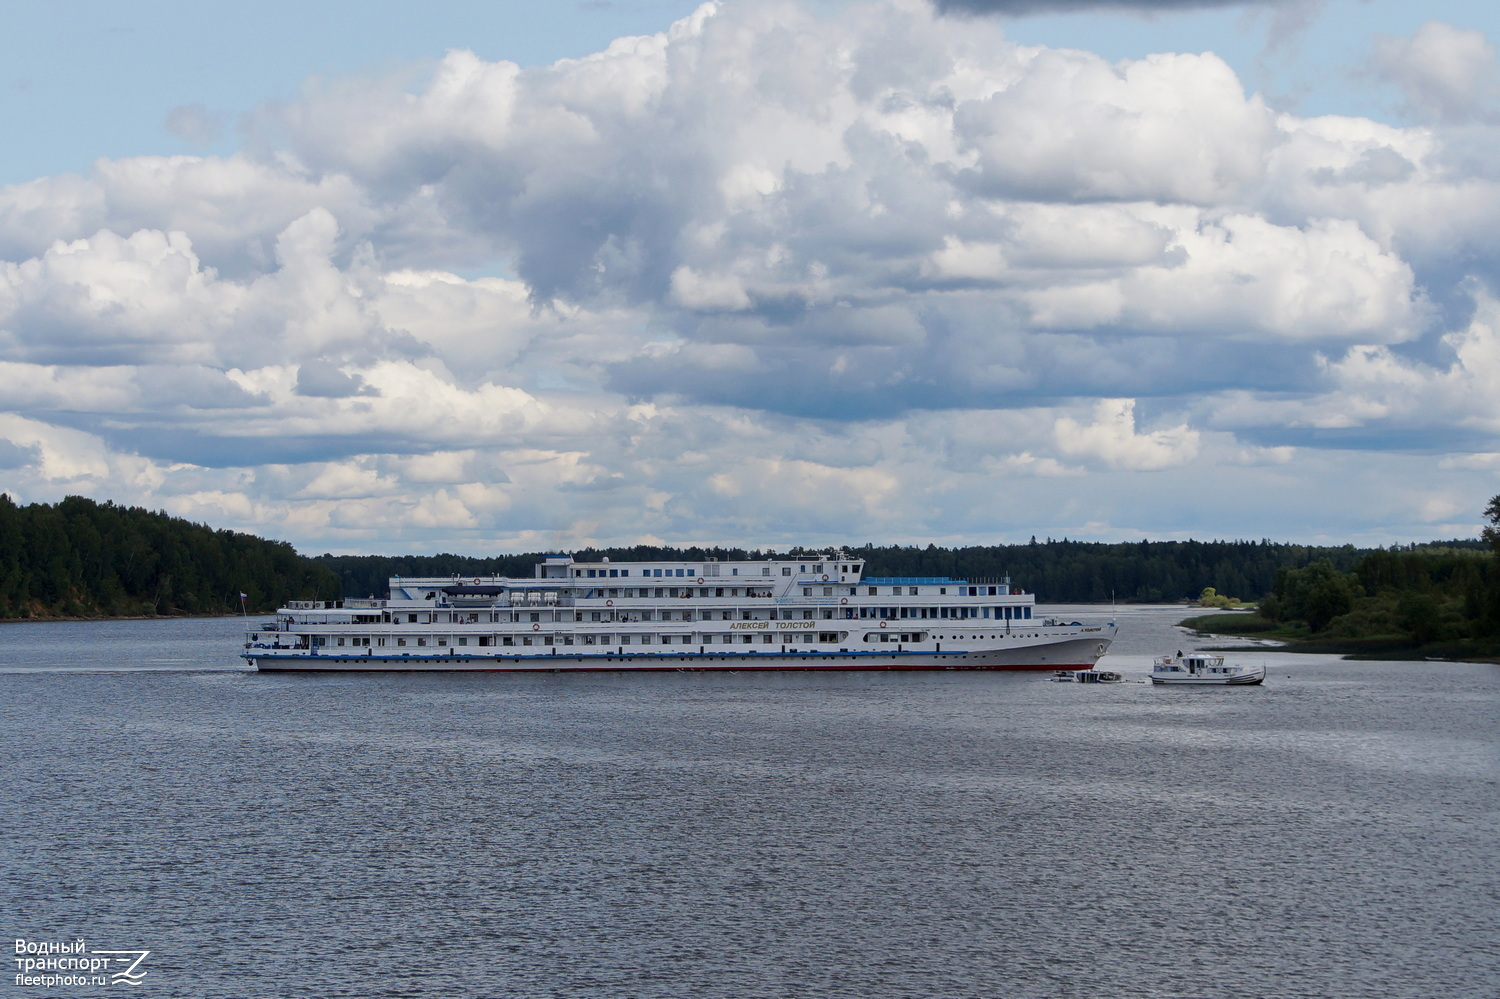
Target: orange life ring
{"points": [[476, 582], [843, 600], [825, 577], [882, 624], [536, 627], [609, 603], [700, 579]]}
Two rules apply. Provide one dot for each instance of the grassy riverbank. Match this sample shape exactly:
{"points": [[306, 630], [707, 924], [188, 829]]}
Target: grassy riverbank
{"points": [[1298, 638]]}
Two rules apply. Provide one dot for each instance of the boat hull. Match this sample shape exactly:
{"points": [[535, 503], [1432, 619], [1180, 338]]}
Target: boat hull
{"points": [[1071, 654]]}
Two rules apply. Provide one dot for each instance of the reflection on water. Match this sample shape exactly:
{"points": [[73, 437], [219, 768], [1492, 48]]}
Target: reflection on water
{"points": [[744, 835]]}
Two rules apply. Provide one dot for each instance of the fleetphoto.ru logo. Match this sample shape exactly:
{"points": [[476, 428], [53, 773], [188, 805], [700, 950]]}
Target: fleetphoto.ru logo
{"points": [[52, 965]]}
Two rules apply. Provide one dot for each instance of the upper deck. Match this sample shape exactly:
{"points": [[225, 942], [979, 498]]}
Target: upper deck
{"points": [[561, 581]]}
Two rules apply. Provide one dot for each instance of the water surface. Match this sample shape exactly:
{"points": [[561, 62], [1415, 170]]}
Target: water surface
{"points": [[1333, 833]]}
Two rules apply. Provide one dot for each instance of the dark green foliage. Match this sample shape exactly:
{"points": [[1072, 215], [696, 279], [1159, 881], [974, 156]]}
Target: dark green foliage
{"points": [[1061, 571], [1417, 595], [1316, 594], [80, 558], [1491, 534]]}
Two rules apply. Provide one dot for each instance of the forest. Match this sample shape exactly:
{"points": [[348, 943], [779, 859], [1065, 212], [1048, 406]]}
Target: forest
{"points": [[1443, 599], [1057, 571], [80, 558]]}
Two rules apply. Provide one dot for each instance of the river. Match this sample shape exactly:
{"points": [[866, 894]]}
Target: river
{"points": [[1332, 833]]}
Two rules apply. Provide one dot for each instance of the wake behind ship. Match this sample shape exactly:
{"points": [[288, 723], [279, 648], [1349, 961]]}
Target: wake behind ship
{"points": [[802, 613]]}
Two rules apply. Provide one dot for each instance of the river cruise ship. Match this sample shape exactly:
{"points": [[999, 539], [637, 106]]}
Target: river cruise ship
{"points": [[782, 613]]}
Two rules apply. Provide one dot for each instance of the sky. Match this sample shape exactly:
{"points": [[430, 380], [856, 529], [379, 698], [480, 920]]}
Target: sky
{"points": [[516, 277]]}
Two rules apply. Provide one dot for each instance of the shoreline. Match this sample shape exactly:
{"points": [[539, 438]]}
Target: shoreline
{"points": [[1371, 649], [116, 617]]}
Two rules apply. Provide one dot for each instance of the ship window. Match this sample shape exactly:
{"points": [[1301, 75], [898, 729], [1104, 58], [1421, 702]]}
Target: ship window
{"points": [[624, 639], [807, 591], [682, 572], [526, 640], [411, 619], [400, 641], [911, 591], [767, 639], [786, 570], [827, 591], [874, 591], [613, 573], [536, 617], [828, 615], [624, 572], [807, 615], [734, 572], [765, 570], [818, 567], [943, 590], [341, 641], [421, 641], [591, 573]]}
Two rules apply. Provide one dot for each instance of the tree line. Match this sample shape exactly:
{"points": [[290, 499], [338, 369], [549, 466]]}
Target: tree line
{"points": [[1442, 594], [79, 558], [1057, 571]]}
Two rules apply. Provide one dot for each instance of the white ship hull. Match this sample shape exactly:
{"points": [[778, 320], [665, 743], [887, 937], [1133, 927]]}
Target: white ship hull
{"points": [[1068, 654]]}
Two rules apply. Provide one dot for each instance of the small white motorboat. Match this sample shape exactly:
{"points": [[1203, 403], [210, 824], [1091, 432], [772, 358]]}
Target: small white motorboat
{"points": [[1202, 668]]}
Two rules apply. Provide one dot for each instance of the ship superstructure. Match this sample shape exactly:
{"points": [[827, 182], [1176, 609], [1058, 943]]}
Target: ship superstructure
{"points": [[782, 613]]}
